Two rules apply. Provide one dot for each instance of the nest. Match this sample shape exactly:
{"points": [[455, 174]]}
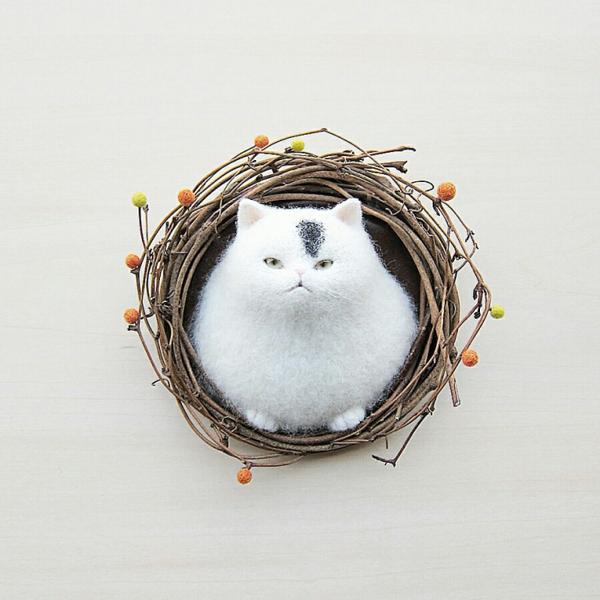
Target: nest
{"points": [[187, 241]]}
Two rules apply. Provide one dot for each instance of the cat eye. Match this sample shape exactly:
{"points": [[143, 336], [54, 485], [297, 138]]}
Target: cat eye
{"points": [[324, 264], [274, 263]]}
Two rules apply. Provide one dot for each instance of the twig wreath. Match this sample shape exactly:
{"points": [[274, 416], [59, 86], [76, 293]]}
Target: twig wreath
{"points": [[438, 241]]}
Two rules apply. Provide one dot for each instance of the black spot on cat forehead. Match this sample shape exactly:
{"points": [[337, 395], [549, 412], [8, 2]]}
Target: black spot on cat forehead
{"points": [[312, 234]]}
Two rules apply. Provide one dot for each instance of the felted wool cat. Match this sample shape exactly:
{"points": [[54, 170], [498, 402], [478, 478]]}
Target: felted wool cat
{"points": [[300, 326]]}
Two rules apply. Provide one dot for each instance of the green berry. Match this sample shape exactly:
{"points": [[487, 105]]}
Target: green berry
{"points": [[139, 199], [497, 311], [297, 145]]}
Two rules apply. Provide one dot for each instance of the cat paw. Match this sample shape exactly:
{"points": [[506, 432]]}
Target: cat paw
{"points": [[260, 420], [348, 419]]}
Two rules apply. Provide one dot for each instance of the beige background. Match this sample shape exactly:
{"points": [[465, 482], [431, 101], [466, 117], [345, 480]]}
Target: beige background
{"points": [[105, 492]]}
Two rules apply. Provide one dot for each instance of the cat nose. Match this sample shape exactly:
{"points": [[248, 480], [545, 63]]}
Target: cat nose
{"points": [[300, 271]]}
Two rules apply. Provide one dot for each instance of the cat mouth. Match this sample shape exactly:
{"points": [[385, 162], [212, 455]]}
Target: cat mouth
{"points": [[299, 286]]}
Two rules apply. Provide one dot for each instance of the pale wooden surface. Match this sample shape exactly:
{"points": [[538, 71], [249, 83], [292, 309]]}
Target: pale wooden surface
{"points": [[106, 493]]}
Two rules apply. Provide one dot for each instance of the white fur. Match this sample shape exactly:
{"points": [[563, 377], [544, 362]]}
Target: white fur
{"points": [[299, 360]]}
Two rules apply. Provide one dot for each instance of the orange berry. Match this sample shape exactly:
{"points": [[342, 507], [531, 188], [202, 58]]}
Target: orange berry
{"points": [[260, 141], [133, 261], [446, 191], [186, 197], [244, 476], [131, 315], [470, 358]]}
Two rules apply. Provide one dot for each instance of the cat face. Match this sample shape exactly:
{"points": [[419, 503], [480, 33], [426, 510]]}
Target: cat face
{"points": [[306, 258]]}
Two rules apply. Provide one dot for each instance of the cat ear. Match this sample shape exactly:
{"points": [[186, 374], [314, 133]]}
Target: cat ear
{"points": [[349, 211], [249, 212]]}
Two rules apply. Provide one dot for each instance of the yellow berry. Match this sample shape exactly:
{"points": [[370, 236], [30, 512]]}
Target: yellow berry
{"points": [[186, 197], [497, 311], [132, 261], [446, 191], [139, 199], [297, 145], [260, 141], [244, 476], [470, 358]]}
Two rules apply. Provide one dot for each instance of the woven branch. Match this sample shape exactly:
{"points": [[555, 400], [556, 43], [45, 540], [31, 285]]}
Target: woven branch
{"points": [[439, 247]]}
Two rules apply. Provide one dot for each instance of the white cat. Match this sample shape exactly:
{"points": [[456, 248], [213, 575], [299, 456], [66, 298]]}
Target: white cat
{"points": [[300, 325]]}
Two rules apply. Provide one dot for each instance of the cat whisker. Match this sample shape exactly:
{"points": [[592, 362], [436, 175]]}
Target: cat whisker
{"points": [[333, 294]]}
